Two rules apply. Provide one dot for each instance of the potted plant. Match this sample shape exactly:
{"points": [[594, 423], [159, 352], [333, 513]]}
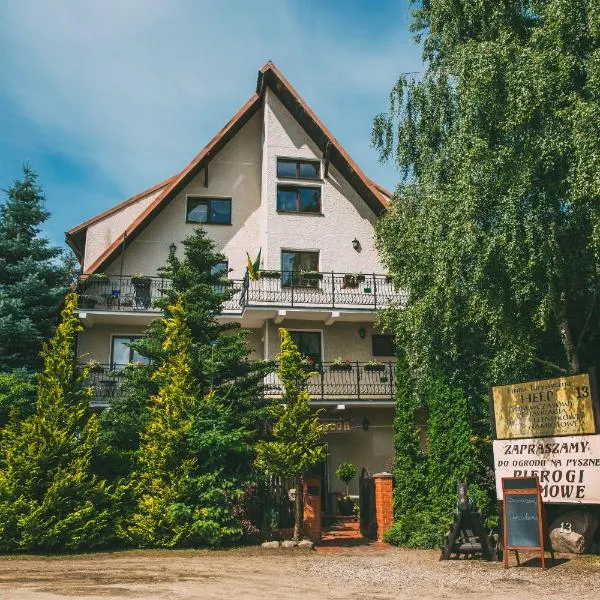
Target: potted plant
{"points": [[141, 285], [346, 472], [98, 277], [352, 280], [94, 366], [374, 366], [270, 274], [86, 301], [340, 364], [311, 278]]}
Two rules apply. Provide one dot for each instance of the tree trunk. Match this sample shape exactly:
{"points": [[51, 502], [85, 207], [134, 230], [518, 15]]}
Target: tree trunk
{"points": [[299, 513], [566, 337]]}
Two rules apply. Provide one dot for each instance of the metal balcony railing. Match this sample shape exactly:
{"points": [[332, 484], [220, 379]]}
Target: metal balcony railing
{"points": [[348, 381], [332, 381], [121, 293], [272, 288], [331, 290], [130, 294], [105, 381]]}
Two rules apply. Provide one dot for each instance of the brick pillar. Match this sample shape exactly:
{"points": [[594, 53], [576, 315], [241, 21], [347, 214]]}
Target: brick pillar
{"points": [[384, 512], [312, 508]]}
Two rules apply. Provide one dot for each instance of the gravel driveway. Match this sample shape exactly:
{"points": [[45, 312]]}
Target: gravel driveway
{"points": [[253, 573]]}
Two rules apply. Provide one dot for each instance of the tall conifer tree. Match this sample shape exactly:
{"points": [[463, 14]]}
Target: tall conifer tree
{"points": [[49, 497], [32, 284]]}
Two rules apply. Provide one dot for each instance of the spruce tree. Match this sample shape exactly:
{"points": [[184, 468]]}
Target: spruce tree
{"points": [[32, 284], [180, 499], [219, 363], [49, 497], [297, 445]]}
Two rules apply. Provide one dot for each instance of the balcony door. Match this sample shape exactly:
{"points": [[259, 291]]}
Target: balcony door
{"points": [[296, 262], [309, 344]]}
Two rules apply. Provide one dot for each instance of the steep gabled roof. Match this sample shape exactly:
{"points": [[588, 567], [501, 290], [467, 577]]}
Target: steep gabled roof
{"points": [[75, 237], [376, 197]]}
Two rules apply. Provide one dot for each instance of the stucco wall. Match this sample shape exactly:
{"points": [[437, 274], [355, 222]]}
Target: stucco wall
{"points": [[233, 173], [340, 340], [96, 341], [373, 448], [102, 234], [345, 215]]}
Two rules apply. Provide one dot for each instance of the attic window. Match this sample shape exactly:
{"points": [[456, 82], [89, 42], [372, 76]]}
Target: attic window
{"points": [[298, 169], [215, 211]]}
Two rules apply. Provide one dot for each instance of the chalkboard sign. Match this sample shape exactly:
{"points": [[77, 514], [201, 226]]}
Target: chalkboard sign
{"points": [[522, 516], [522, 521]]}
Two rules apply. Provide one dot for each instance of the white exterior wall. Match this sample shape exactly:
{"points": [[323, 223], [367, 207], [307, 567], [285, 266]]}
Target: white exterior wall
{"points": [[96, 341], [340, 340], [345, 214], [373, 448], [233, 173], [103, 233]]}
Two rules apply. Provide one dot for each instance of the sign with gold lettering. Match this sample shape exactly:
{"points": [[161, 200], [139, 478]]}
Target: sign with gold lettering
{"points": [[549, 407]]}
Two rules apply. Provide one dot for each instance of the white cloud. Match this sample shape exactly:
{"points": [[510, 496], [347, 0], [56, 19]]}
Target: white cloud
{"points": [[138, 87]]}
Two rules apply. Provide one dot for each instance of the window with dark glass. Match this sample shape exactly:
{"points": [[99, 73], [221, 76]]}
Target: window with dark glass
{"points": [[383, 345], [122, 353], [215, 211], [296, 267], [298, 169], [222, 269], [309, 344], [301, 199]]}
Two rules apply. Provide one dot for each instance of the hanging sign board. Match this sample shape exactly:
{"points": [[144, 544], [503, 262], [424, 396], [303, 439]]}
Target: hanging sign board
{"points": [[523, 527], [568, 468], [548, 407]]}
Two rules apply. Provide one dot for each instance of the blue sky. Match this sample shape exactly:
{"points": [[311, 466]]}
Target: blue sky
{"points": [[107, 97]]}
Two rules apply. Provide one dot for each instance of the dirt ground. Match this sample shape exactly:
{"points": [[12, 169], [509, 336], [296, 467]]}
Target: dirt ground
{"points": [[255, 573]]}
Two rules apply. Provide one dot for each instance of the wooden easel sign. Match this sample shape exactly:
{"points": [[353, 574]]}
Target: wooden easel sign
{"points": [[522, 517]]}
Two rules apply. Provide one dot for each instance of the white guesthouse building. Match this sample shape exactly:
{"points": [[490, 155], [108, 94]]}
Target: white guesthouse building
{"points": [[273, 179]]}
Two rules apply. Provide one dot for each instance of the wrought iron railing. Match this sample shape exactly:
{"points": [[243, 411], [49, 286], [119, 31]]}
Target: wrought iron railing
{"points": [[271, 288], [127, 293], [332, 290], [331, 381], [121, 293], [105, 380], [350, 381]]}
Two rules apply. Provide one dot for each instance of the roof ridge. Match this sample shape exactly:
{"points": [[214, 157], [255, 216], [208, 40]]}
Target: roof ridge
{"points": [[173, 184]]}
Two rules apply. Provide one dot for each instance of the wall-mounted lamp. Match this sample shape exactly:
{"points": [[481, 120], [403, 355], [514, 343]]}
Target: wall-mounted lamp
{"points": [[365, 424], [356, 244], [362, 332], [172, 248]]}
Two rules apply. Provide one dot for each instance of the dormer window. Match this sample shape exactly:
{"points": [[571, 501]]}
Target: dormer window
{"points": [[298, 169]]}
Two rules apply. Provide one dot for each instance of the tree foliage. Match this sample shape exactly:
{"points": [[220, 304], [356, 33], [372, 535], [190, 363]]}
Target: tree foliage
{"points": [[32, 283], [218, 355], [297, 445], [49, 497], [495, 228], [180, 501]]}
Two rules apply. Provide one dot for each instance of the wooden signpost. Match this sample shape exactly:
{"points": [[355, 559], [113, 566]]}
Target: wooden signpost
{"points": [[523, 522]]}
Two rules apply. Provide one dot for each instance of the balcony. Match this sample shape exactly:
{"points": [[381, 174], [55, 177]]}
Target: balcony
{"points": [[129, 294], [320, 290], [121, 293], [106, 383], [352, 382], [311, 293]]}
